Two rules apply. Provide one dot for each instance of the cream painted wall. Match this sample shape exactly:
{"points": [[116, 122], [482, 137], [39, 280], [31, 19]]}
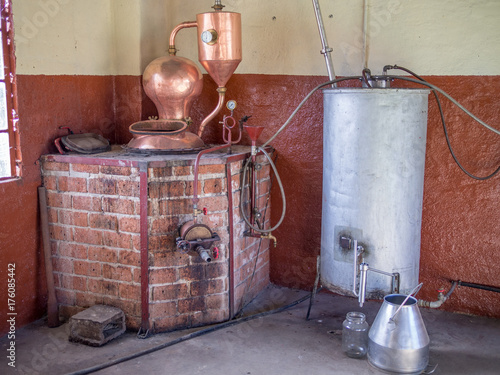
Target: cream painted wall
{"points": [[446, 37]]}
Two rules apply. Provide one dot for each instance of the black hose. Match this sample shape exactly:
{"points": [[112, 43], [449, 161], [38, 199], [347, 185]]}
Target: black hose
{"points": [[387, 67], [479, 286], [187, 337]]}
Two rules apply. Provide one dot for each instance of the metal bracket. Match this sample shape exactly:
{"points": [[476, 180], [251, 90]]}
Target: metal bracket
{"points": [[141, 334]]}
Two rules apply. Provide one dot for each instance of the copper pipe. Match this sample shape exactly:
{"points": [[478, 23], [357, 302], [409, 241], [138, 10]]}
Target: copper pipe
{"points": [[195, 182], [206, 120], [173, 34]]}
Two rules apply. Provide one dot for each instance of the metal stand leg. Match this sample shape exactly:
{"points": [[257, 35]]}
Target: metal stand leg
{"points": [[315, 288]]}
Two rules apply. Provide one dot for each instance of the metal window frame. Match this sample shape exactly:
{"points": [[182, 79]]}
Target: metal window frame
{"points": [[9, 77]]}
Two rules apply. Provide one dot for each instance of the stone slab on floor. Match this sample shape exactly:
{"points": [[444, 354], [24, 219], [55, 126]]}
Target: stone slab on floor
{"points": [[96, 325]]}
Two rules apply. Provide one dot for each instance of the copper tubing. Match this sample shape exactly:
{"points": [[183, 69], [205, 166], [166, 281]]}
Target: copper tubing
{"points": [[220, 104], [173, 34], [196, 167]]}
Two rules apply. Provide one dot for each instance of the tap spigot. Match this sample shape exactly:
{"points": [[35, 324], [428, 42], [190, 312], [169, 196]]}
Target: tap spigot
{"points": [[269, 236]]}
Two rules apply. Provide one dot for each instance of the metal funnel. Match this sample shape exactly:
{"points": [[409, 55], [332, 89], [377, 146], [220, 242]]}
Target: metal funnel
{"points": [[219, 44], [253, 131]]}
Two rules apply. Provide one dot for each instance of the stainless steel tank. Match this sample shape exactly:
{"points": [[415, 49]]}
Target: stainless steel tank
{"points": [[373, 176]]}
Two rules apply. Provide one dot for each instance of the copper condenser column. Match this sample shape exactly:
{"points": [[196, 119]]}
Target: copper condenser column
{"points": [[219, 50]]}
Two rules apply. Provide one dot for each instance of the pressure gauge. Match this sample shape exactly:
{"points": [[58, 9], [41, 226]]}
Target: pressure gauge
{"points": [[231, 105], [209, 36]]}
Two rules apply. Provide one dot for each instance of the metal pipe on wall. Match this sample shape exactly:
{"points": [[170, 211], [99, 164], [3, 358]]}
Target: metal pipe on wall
{"points": [[326, 51]]}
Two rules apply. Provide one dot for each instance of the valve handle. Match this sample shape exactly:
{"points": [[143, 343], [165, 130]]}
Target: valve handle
{"points": [[215, 252], [205, 211]]}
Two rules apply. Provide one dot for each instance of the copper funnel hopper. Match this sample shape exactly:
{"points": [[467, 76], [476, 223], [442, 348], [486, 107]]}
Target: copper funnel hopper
{"points": [[219, 44]]}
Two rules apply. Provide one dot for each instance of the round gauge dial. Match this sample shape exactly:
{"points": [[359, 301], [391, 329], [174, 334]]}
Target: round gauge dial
{"points": [[231, 105], [209, 36]]}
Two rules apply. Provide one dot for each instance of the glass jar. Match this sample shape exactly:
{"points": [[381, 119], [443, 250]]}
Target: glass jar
{"points": [[355, 335]]}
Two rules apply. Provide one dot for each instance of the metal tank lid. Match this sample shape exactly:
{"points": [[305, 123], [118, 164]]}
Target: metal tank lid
{"points": [[386, 90]]}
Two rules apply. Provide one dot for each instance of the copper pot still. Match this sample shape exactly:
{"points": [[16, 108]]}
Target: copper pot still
{"points": [[173, 83]]}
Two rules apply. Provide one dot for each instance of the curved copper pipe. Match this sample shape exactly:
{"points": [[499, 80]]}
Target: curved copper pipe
{"points": [[173, 34], [206, 120], [196, 168]]}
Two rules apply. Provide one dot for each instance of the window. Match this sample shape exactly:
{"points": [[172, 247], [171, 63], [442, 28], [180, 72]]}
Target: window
{"points": [[10, 160]]}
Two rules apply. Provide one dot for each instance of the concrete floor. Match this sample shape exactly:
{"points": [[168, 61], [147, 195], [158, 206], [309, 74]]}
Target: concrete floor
{"points": [[282, 343]]}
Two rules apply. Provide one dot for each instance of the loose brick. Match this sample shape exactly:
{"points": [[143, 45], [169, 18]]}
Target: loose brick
{"points": [[89, 236], [55, 166], [72, 184], [86, 203], [129, 224], [162, 276], [118, 205], [79, 219], [121, 171], [186, 306], [119, 240], [102, 186], [102, 254], [103, 221], [72, 250]]}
